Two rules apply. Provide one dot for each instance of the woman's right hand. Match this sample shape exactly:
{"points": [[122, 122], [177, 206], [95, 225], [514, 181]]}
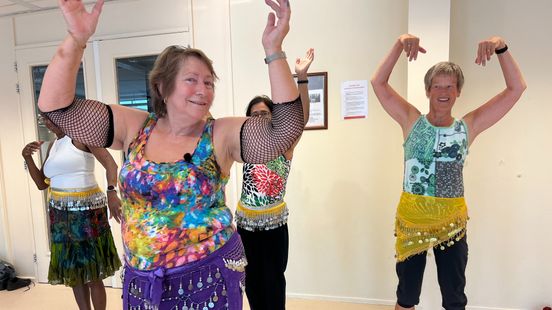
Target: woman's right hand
{"points": [[411, 46], [81, 25], [30, 148]]}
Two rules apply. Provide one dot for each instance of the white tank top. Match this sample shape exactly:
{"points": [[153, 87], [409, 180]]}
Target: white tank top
{"points": [[69, 167]]}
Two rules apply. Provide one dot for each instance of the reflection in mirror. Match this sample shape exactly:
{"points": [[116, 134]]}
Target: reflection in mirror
{"points": [[132, 81]]}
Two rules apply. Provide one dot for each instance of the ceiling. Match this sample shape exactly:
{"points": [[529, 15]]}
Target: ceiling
{"points": [[14, 7]]}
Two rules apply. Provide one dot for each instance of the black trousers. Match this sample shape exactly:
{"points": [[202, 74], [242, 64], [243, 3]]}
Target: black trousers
{"points": [[451, 273], [267, 256]]}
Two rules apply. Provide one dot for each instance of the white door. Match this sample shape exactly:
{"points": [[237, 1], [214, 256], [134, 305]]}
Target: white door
{"points": [[116, 61], [106, 76], [31, 64]]}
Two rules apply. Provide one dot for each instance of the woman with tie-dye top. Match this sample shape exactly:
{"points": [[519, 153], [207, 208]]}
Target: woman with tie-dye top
{"points": [[181, 248], [262, 214], [432, 212]]}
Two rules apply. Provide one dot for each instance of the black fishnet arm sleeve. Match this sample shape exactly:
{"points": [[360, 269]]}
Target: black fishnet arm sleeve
{"points": [[262, 140], [87, 121]]}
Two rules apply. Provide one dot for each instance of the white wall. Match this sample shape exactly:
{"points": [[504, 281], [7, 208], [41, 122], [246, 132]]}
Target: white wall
{"points": [[346, 181], [508, 171], [341, 191]]}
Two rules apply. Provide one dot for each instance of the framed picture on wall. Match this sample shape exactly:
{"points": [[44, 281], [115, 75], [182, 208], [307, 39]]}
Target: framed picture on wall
{"points": [[318, 94]]}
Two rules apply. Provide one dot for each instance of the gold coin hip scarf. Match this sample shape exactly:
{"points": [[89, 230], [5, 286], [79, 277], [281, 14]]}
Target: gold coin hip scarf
{"points": [[423, 222]]}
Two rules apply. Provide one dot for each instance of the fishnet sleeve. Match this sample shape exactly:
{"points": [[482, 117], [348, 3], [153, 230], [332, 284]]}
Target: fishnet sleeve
{"points": [[262, 140], [87, 121]]}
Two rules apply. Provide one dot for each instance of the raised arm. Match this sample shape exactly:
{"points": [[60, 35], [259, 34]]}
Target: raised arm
{"points": [[88, 121], [256, 139], [58, 87], [113, 201], [301, 69], [36, 174], [493, 110], [396, 106], [282, 85]]}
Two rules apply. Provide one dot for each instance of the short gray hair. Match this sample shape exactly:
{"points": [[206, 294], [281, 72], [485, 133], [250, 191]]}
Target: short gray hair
{"points": [[446, 68]]}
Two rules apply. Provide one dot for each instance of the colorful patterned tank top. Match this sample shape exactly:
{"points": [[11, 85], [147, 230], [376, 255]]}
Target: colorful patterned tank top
{"points": [[173, 213], [262, 206], [434, 159]]}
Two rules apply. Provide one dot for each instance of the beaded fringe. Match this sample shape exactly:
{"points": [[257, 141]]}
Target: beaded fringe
{"points": [[424, 222], [261, 219], [77, 199]]}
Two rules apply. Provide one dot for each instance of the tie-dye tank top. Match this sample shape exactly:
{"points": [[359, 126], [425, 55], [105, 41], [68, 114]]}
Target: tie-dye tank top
{"points": [[173, 213]]}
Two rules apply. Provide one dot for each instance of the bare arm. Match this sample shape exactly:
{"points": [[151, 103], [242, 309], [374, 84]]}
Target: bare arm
{"points": [[301, 69], [258, 140], [493, 110], [36, 174], [90, 122], [282, 85], [396, 106], [107, 161]]}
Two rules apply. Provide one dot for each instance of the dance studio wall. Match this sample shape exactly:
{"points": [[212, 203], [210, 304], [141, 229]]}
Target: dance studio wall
{"points": [[345, 181]]}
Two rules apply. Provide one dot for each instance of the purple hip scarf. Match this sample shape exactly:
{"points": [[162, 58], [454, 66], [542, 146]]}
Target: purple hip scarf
{"points": [[214, 282]]}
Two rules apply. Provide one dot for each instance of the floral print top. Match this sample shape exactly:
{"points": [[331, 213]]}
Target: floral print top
{"points": [[173, 213], [434, 159], [261, 206], [265, 184]]}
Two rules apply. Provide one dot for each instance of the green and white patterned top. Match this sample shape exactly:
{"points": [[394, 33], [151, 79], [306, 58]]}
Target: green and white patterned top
{"points": [[434, 159]]}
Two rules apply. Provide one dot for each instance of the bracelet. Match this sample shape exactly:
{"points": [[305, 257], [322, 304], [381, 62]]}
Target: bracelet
{"points": [[75, 39], [303, 81], [501, 50], [277, 55]]}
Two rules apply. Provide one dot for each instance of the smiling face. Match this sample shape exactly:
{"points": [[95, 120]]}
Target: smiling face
{"points": [[443, 92], [194, 90]]}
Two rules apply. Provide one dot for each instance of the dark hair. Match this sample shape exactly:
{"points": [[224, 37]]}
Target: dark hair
{"points": [[165, 69], [446, 68], [258, 99]]}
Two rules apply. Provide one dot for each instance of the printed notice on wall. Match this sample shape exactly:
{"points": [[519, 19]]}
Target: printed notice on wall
{"points": [[354, 99]]}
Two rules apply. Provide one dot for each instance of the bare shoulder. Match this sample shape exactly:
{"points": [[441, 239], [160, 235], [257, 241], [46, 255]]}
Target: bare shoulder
{"points": [[128, 122], [226, 139], [228, 126]]}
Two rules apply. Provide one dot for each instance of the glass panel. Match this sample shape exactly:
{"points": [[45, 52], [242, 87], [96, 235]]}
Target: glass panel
{"points": [[44, 134], [132, 81]]}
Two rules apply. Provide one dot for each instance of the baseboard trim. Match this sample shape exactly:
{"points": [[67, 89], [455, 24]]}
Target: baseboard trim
{"points": [[355, 300], [371, 301]]}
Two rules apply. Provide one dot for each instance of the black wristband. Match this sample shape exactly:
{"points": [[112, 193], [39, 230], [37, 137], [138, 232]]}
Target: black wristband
{"points": [[501, 50], [302, 81]]}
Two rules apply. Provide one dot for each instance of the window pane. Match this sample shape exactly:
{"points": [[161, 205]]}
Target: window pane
{"points": [[132, 81], [44, 134]]}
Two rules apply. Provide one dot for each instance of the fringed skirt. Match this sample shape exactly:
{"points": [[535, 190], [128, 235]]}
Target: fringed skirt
{"points": [[81, 244]]}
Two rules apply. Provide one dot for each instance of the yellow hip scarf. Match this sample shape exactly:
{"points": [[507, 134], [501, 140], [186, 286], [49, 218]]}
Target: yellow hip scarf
{"points": [[424, 222]]}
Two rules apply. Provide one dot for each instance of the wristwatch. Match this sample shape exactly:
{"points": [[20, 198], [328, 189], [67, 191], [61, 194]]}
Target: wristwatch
{"points": [[111, 188]]}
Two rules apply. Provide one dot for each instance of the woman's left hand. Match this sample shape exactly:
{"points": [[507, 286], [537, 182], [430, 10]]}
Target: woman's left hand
{"points": [[276, 31], [302, 64], [487, 48]]}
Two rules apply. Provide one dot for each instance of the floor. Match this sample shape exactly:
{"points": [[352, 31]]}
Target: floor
{"points": [[45, 297]]}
